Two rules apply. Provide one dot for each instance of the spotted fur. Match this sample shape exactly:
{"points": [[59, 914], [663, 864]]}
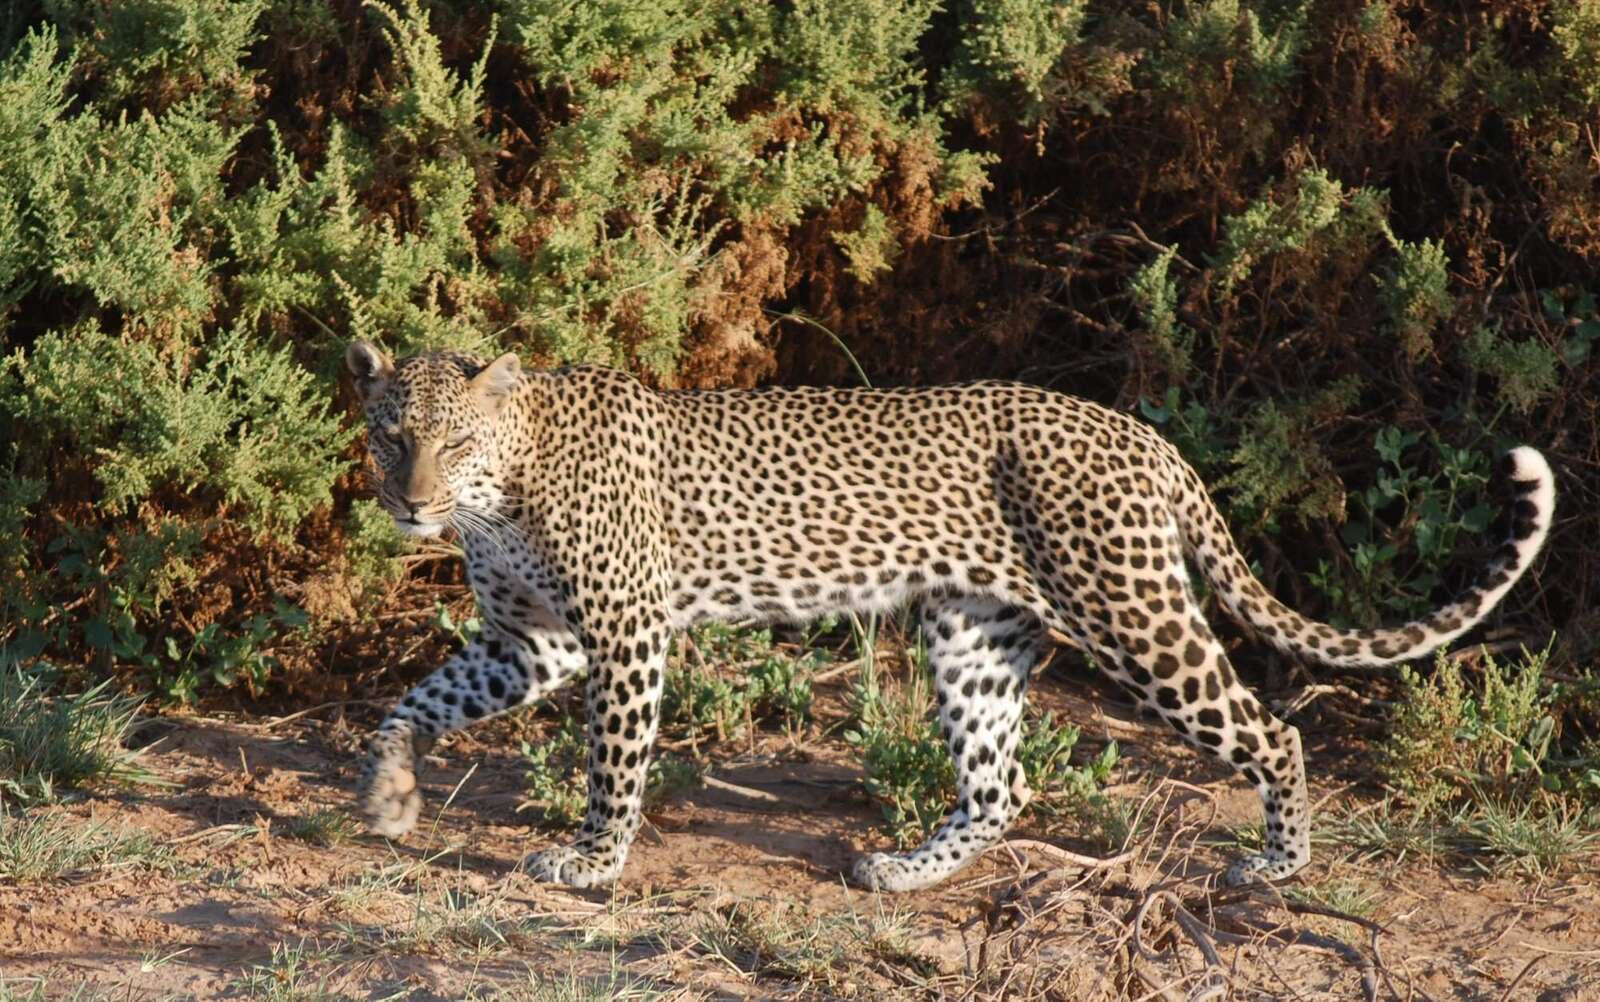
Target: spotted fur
{"points": [[598, 516]]}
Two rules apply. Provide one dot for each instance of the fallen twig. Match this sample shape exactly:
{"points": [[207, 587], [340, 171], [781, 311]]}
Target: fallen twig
{"points": [[742, 791]]}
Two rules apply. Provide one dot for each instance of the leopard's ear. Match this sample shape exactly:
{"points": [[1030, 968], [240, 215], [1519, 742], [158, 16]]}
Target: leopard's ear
{"points": [[495, 383], [369, 367]]}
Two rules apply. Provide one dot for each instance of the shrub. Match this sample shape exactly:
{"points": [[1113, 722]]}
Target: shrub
{"points": [[725, 675], [1405, 530], [1475, 758], [46, 846], [1457, 741], [908, 769], [1012, 48], [1285, 226]]}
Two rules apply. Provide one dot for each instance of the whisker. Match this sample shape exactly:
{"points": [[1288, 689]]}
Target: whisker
{"points": [[472, 521], [488, 515]]}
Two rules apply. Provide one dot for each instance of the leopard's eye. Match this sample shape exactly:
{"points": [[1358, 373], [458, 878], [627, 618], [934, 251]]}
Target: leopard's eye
{"points": [[391, 434], [458, 442]]}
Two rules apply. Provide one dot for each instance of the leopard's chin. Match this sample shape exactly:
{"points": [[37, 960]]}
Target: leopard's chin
{"points": [[421, 530]]}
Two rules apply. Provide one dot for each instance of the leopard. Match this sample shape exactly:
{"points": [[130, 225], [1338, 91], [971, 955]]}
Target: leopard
{"points": [[599, 516]]}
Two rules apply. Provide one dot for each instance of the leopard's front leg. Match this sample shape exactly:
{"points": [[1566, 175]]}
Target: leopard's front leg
{"points": [[623, 698], [495, 672]]}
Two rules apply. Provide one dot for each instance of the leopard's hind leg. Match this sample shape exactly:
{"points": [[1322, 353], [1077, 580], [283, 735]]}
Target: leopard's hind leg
{"points": [[980, 653], [1162, 650]]}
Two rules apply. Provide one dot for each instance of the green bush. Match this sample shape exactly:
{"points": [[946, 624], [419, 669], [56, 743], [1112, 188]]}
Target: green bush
{"points": [[188, 234], [726, 676], [1404, 530], [1480, 774], [1281, 228], [1012, 49], [1493, 738], [555, 779]]}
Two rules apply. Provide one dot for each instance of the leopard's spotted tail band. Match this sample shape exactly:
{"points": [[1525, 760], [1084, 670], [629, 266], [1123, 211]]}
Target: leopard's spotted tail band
{"points": [[1530, 511]]}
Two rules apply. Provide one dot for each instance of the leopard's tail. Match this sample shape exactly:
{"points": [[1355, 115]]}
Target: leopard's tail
{"points": [[1533, 502]]}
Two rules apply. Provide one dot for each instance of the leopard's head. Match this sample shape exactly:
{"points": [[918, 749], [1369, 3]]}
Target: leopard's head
{"points": [[431, 431]]}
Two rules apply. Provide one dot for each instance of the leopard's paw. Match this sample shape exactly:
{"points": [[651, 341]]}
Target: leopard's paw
{"points": [[886, 871], [1265, 868], [388, 797], [576, 866]]}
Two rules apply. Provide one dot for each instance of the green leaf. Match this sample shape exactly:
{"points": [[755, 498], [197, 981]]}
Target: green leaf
{"points": [[97, 634], [1553, 306], [1107, 759], [1160, 414]]}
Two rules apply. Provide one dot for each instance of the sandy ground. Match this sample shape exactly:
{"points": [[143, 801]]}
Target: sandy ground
{"points": [[735, 890]]}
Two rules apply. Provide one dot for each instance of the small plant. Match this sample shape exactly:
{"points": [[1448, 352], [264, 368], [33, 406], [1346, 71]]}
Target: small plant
{"points": [[464, 632], [1190, 427], [1353, 897], [790, 943], [769, 943], [50, 743], [437, 911], [870, 249], [326, 826], [556, 785], [1480, 772], [1580, 317], [613, 986], [1392, 830], [1045, 752], [1526, 371], [908, 768], [1061, 789], [752, 679], [372, 542], [781, 687], [1454, 743], [696, 700], [1156, 295], [1103, 821], [1537, 837], [1280, 465], [286, 977], [1416, 293], [1318, 212], [481, 924], [224, 655], [669, 776]]}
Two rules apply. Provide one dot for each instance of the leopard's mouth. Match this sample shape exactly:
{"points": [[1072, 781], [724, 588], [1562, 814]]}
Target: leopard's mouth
{"points": [[421, 524], [419, 528]]}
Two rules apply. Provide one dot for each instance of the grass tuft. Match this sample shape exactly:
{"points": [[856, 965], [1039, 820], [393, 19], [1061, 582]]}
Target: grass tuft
{"points": [[325, 827], [47, 845], [286, 977], [788, 943], [52, 743], [612, 986]]}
